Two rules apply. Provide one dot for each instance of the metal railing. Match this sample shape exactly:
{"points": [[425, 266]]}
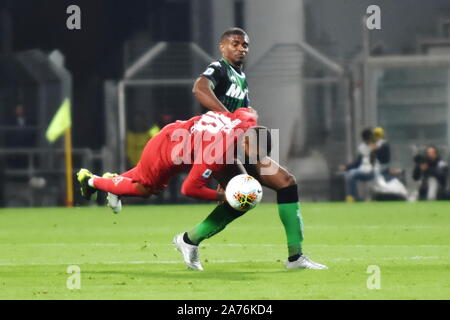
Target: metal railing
{"points": [[26, 171], [34, 168]]}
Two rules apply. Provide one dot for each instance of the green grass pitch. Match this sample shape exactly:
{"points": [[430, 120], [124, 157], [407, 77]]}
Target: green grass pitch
{"points": [[130, 256]]}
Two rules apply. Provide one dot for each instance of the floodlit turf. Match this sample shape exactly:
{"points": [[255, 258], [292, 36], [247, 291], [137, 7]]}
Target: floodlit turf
{"points": [[129, 256]]}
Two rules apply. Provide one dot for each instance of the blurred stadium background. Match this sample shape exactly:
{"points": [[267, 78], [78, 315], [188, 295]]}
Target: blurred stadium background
{"points": [[314, 71]]}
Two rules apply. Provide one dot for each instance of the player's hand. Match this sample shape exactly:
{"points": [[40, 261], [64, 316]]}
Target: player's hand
{"points": [[220, 194], [253, 111]]}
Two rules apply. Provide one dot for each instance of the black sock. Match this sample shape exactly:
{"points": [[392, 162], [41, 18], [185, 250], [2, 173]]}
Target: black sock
{"points": [[187, 240], [294, 257]]}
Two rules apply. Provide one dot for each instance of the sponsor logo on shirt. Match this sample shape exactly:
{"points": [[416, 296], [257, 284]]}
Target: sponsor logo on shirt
{"points": [[236, 92]]}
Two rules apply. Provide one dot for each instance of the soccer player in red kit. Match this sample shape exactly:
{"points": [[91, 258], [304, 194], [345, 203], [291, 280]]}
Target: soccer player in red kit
{"points": [[205, 144], [178, 146]]}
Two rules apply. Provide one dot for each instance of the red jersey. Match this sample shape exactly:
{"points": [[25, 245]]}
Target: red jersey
{"points": [[203, 143]]}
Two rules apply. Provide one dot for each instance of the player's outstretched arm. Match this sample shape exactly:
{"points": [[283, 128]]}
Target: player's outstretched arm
{"points": [[195, 184], [197, 191], [206, 97]]}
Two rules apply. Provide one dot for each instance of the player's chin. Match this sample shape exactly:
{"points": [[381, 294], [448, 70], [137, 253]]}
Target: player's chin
{"points": [[239, 61]]}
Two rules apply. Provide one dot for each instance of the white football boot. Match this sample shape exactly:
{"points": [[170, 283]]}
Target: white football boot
{"points": [[190, 253], [113, 201], [304, 263]]}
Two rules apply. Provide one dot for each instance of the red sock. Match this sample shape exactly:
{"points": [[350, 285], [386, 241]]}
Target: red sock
{"points": [[119, 185]]}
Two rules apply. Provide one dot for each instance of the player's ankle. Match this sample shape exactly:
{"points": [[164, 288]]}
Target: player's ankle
{"points": [[187, 240], [294, 257]]}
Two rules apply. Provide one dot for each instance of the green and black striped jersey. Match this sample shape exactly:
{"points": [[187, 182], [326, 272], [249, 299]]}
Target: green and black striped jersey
{"points": [[229, 85]]}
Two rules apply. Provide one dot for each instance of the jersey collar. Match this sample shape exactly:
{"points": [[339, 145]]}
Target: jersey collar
{"points": [[239, 73]]}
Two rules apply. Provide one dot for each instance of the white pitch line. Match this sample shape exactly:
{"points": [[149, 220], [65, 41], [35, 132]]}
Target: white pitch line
{"points": [[368, 227], [12, 264], [121, 262], [62, 244], [149, 245], [381, 245], [392, 259]]}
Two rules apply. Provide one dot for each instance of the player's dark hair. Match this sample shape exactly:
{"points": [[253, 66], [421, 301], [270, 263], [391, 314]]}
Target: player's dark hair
{"points": [[367, 134], [233, 31]]}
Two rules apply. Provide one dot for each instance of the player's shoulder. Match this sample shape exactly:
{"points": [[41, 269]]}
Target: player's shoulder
{"points": [[216, 64], [215, 69]]}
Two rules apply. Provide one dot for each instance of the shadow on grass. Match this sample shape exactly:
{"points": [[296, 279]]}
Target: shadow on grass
{"points": [[182, 274]]}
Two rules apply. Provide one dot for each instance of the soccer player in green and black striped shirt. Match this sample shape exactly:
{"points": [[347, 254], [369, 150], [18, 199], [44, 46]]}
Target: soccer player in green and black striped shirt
{"points": [[228, 83], [223, 87]]}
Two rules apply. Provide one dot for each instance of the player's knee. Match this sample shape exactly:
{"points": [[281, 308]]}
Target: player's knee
{"points": [[287, 181], [291, 180]]}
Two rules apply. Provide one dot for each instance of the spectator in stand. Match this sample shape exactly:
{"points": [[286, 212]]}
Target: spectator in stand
{"points": [[381, 152], [20, 135], [373, 158], [361, 169], [431, 172]]}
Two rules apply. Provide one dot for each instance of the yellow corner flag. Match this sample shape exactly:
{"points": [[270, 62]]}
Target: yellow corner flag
{"points": [[60, 122]]}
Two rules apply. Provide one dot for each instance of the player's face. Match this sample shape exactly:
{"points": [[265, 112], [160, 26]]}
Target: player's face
{"points": [[234, 49], [431, 153]]}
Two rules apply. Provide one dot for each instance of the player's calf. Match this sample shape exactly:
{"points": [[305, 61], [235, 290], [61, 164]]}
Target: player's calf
{"points": [[218, 219], [288, 181], [120, 186]]}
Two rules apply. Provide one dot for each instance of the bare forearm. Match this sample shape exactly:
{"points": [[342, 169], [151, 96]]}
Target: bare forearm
{"points": [[206, 97], [210, 102]]}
